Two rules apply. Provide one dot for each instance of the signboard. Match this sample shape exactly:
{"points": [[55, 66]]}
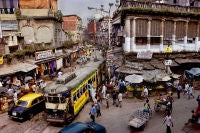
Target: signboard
{"points": [[168, 49], [43, 54], [109, 56], [144, 55], [168, 62], [9, 25], [1, 60], [59, 52]]}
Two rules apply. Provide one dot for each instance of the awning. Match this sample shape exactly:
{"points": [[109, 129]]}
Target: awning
{"points": [[134, 78], [19, 67], [194, 71], [181, 61], [127, 70]]}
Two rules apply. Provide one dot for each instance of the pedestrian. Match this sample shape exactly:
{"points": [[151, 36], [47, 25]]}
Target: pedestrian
{"points": [[107, 100], [147, 107], [186, 88], [198, 99], [92, 112], [168, 121], [145, 92], [98, 108], [104, 91], [179, 88], [114, 96], [191, 89], [120, 99]]}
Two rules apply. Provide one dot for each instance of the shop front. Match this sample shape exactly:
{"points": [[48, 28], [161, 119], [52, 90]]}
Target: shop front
{"points": [[46, 61]]}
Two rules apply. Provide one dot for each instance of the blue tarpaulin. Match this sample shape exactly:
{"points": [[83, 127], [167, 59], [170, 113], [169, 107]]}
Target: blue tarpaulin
{"points": [[194, 71]]}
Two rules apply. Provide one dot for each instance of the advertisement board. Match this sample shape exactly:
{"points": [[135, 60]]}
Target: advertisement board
{"points": [[43, 54], [9, 25], [144, 55]]}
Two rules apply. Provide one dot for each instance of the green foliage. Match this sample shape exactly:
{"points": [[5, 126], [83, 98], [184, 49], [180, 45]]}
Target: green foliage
{"points": [[19, 54], [8, 58], [68, 44], [58, 15]]}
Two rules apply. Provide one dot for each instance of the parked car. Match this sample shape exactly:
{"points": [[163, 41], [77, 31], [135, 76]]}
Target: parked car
{"points": [[79, 127], [27, 106]]}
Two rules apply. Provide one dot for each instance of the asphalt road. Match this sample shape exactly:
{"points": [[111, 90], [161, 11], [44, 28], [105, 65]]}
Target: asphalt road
{"points": [[115, 119]]}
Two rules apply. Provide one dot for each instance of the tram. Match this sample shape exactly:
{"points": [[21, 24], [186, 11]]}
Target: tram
{"points": [[67, 96]]}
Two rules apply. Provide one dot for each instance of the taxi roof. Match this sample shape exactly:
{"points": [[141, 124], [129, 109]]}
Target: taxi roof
{"points": [[30, 96]]}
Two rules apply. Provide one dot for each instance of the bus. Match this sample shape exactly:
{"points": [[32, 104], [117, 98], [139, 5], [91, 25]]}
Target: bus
{"points": [[67, 96]]}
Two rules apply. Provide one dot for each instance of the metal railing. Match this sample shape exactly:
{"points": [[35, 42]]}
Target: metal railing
{"points": [[159, 6]]}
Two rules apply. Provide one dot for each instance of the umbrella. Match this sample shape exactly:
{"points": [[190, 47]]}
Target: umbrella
{"points": [[166, 78], [28, 78], [134, 78]]}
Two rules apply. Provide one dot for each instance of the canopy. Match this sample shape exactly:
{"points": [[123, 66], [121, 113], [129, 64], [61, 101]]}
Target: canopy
{"points": [[155, 75], [194, 71], [28, 78], [134, 78]]}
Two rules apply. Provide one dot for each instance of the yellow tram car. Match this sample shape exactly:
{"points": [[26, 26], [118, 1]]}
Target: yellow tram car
{"points": [[67, 96]]}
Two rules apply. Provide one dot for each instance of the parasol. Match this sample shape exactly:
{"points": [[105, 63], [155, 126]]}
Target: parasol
{"points": [[28, 78], [134, 78]]}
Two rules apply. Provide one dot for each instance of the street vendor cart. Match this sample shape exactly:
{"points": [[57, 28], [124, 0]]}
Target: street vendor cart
{"points": [[139, 119]]}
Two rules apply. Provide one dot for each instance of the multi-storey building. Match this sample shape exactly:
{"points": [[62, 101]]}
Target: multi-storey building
{"points": [[150, 26], [40, 22], [9, 35], [37, 22], [72, 25]]}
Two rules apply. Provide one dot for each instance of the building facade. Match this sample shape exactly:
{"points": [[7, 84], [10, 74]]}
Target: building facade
{"points": [[29, 22], [72, 25], [148, 26]]}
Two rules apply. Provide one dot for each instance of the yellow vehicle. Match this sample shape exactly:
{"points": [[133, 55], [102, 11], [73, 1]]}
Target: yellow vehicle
{"points": [[27, 106], [67, 96]]}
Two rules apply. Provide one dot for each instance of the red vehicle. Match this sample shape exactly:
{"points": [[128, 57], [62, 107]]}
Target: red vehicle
{"points": [[196, 116]]}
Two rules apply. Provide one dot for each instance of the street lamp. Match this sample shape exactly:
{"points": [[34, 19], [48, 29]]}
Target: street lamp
{"points": [[102, 10]]}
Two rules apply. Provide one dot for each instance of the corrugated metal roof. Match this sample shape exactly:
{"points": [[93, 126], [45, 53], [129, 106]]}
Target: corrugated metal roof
{"points": [[19, 67]]}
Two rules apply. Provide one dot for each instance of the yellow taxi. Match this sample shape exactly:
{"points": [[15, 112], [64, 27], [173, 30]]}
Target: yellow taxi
{"points": [[27, 106]]}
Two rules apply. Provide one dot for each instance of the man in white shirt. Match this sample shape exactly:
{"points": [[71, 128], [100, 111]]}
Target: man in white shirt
{"points": [[146, 92], [168, 121], [104, 91], [120, 99]]}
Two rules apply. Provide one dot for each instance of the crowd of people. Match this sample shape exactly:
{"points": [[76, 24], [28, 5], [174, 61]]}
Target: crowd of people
{"points": [[119, 91]]}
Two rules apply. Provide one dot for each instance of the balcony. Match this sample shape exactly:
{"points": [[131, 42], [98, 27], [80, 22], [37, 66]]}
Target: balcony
{"points": [[159, 6]]}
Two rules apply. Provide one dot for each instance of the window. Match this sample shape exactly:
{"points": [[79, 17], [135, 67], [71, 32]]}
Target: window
{"points": [[40, 99], [22, 103], [78, 94], [74, 98], [35, 102]]}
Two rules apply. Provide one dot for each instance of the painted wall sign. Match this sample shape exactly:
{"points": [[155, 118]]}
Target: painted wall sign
{"points": [[9, 25], [44, 54], [144, 55]]}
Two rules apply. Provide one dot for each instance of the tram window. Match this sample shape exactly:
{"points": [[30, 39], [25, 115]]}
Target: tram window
{"points": [[81, 91], [78, 94], [74, 98], [84, 89], [53, 99]]}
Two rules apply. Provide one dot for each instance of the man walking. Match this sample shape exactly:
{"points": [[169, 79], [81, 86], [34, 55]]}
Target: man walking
{"points": [[107, 100], [120, 99], [114, 96], [179, 91], [103, 91], [98, 108], [168, 121], [92, 112], [198, 99], [191, 89]]}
